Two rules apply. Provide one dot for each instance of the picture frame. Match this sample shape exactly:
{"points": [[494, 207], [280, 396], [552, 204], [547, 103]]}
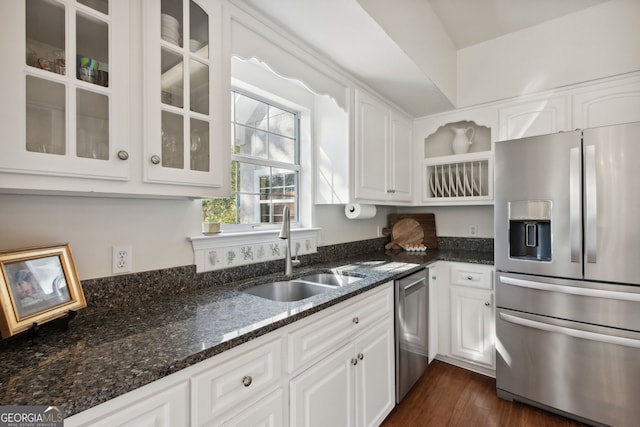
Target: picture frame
{"points": [[37, 285]]}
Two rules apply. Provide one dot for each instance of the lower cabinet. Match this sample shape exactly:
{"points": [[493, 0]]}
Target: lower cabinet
{"points": [[465, 318], [353, 386], [297, 375]]}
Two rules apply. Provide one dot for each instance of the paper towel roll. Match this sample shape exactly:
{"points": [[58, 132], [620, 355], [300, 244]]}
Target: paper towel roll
{"points": [[358, 211]]}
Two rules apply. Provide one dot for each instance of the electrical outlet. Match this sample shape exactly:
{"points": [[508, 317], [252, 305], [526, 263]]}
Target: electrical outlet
{"points": [[122, 259], [473, 230]]}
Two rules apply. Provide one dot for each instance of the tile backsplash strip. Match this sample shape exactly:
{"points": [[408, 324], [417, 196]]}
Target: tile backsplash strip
{"points": [[145, 287]]}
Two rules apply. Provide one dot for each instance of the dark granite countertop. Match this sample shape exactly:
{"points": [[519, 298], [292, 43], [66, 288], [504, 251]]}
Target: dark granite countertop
{"points": [[107, 353]]}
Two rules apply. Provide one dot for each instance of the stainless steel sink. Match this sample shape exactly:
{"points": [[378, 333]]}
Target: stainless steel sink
{"points": [[330, 279], [287, 291], [301, 288]]}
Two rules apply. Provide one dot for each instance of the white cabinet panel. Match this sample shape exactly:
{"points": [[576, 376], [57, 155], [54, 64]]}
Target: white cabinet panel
{"points": [[268, 412], [607, 104], [164, 403], [375, 374], [382, 152], [472, 325], [538, 117], [324, 394], [219, 388]]}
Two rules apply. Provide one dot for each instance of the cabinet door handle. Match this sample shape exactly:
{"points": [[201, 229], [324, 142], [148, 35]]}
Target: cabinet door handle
{"points": [[247, 380], [123, 155], [354, 361], [360, 356], [155, 159], [469, 277], [356, 320], [487, 303]]}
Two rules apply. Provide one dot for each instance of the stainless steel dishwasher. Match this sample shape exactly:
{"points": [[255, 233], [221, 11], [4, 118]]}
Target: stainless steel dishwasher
{"points": [[412, 330]]}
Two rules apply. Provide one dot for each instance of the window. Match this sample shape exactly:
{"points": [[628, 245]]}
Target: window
{"points": [[265, 165]]}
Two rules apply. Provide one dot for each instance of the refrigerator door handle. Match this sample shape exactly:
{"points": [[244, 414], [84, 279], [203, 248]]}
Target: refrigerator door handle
{"points": [[576, 333], [574, 205], [572, 290], [591, 205]]}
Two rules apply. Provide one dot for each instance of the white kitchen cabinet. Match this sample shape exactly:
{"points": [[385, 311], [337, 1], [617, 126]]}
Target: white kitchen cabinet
{"points": [[607, 103], [472, 326], [186, 94], [163, 403], [353, 386], [382, 167], [65, 88], [434, 311], [466, 328], [236, 380], [549, 114], [268, 412]]}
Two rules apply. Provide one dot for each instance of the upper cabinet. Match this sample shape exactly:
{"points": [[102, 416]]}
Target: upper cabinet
{"points": [[65, 88], [537, 117], [382, 164], [186, 94]]}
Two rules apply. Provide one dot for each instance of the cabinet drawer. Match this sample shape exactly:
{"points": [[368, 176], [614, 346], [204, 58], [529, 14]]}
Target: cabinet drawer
{"points": [[472, 275], [242, 376], [322, 333]]}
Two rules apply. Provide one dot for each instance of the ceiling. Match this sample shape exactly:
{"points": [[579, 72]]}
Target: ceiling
{"points": [[343, 31], [470, 22]]}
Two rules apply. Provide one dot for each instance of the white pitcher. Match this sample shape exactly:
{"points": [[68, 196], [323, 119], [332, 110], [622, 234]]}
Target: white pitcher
{"points": [[461, 140]]}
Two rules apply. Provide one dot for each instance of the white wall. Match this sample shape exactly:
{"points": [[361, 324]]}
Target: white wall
{"points": [[157, 230], [596, 42], [454, 221]]}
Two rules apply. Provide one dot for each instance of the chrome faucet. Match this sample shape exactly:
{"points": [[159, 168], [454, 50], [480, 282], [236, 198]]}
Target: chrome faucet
{"points": [[285, 233]]}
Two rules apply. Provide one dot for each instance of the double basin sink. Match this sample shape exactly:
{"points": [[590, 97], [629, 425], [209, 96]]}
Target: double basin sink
{"points": [[302, 287]]}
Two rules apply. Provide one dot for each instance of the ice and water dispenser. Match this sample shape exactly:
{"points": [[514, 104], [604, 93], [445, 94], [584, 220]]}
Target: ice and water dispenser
{"points": [[530, 230]]}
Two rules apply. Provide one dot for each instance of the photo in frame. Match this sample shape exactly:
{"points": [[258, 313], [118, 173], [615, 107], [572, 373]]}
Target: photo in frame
{"points": [[37, 285]]}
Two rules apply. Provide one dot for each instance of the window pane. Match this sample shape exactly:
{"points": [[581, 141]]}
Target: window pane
{"points": [[248, 209], [250, 142], [250, 112], [282, 149], [199, 87], [199, 145], [172, 140], [248, 177], [92, 138], [282, 122], [172, 82], [199, 31], [46, 116]]}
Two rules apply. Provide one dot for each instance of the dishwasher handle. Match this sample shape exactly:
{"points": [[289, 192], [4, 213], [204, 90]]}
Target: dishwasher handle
{"points": [[415, 286]]}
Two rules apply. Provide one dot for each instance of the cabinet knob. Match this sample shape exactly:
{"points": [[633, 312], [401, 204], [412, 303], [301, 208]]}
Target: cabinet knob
{"points": [[360, 356], [123, 155], [433, 277], [246, 381], [354, 361], [469, 277], [391, 191], [356, 320], [487, 303], [155, 159]]}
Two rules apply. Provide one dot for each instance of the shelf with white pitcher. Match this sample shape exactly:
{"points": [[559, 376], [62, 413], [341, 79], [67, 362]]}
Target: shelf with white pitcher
{"points": [[458, 165]]}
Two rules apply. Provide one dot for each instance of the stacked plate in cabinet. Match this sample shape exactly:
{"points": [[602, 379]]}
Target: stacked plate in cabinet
{"points": [[458, 180], [170, 29]]}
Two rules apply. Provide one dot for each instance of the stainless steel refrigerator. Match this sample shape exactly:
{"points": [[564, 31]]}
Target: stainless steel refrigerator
{"points": [[567, 257]]}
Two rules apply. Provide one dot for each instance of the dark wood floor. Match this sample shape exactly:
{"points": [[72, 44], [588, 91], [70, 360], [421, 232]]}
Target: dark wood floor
{"points": [[450, 396]]}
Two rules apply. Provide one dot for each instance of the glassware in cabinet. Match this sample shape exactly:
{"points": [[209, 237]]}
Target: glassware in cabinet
{"points": [[64, 122], [188, 69]]}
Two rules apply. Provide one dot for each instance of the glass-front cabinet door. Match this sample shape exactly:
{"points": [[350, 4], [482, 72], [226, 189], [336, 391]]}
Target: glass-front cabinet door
{"points": [[65, 88], [185, 94]]}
